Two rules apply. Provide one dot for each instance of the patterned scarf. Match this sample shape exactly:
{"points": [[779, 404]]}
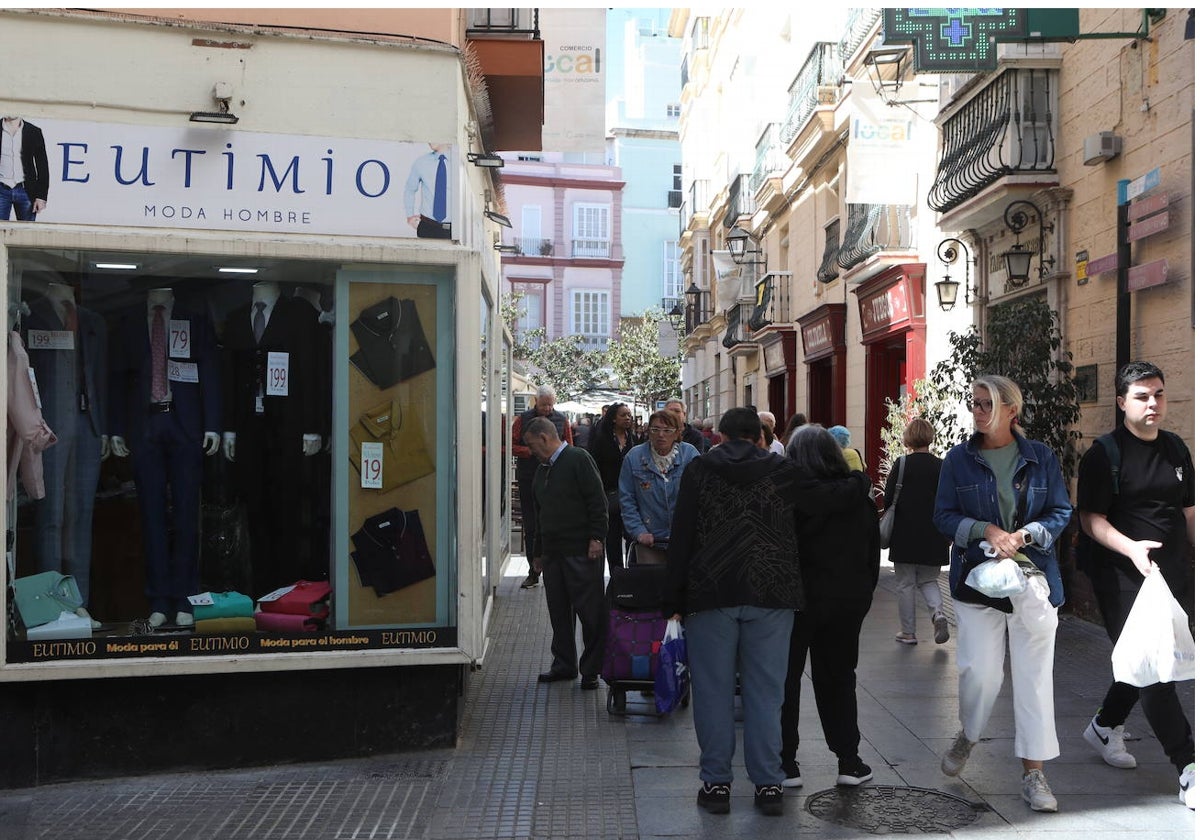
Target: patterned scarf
{"points": [[663, 463]]}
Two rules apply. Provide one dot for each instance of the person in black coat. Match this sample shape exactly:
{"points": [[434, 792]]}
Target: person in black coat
{"points": [[837, 533], [609, 441], [917, 549]]}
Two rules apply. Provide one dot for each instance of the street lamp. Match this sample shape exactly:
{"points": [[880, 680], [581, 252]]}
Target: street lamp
{"points": [[736, 241], [675, 317], [1019, 258], [949, 250]]}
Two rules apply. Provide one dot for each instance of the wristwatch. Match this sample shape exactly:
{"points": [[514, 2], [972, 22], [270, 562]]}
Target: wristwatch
{"points": [[1026, 538]]}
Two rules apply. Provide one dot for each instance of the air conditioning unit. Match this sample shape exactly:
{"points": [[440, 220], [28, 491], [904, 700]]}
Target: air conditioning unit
{"points": [[1101, 147]]}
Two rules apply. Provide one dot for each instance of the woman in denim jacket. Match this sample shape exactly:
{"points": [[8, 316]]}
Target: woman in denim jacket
{"points": [[649, 480], [1002, 489]]}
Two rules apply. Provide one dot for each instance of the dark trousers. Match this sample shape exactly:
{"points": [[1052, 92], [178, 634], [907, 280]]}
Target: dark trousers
{"points": [[575, 586], [829, 632], [1115, 594], [168, 464], [528, 512], [614, 542], [268, 469]]}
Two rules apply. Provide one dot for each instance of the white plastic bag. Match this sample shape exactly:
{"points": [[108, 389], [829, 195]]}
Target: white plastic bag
{"points": [[1155, 645], [997, 578]]}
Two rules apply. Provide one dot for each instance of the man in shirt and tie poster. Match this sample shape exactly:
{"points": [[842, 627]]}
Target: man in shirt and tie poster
{"points": [[427, 193]]}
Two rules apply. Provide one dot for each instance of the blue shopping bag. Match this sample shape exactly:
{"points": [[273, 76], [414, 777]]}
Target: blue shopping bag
{"points": [[671, 681]]}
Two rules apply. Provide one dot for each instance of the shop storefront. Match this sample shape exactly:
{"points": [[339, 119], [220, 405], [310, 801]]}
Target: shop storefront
{"points": [[243, 365], [823, 336], [891, 308]]}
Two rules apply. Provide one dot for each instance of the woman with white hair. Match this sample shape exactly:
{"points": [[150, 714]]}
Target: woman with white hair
{"points": [[1002, 496]]}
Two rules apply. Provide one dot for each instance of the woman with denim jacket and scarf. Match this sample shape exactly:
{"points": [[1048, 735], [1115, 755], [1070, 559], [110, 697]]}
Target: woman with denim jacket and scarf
{"points": [[649, 481], [1004, 490]]}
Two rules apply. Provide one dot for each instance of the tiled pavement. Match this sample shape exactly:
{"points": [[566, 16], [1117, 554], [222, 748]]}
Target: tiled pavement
{"points": [[537, 761]]}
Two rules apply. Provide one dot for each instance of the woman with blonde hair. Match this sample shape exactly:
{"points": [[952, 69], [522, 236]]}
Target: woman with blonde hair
{"points": [[917, 550], [1002, 496]]}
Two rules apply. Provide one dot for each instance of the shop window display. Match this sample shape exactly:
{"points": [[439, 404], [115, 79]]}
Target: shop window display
{"points": [[197, 490]]}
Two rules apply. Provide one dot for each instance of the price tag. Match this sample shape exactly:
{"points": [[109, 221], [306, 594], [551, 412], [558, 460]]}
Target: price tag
{"points": [[181, 339], [51, 340], [371, 467], [277, 374], [204, 599], [182, 371], [278, 593], [37, 395]]}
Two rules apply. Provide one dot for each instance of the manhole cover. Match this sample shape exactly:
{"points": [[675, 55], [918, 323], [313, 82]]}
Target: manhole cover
{"points": [[887, 809]]}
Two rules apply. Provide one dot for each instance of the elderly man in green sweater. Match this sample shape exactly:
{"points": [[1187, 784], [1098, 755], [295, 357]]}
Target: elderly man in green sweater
{"points": [[572, 522]]}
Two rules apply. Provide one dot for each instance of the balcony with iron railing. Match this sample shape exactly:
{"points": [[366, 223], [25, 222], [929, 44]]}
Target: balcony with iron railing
{"points": [[814, 85], [1007, 128], [534, 246], [502, 21], [875, 228], [859, 24], [694, 209], [698, 311], [772, 302], [737, 324], [770, 158], [591, 248], [741, 200]]}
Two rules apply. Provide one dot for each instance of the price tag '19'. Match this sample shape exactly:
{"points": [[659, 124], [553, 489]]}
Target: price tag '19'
{"points": [[371, 468], [277, 374]]}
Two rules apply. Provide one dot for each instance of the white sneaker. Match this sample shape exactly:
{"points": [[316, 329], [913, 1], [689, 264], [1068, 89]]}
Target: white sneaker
{"points": [[184, 619], [956, 757], [1036, 791], [1187, 786], [1110, 743], [157, 619]]}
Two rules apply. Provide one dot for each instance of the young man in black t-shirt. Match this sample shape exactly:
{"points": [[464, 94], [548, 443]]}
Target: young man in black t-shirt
{"points": [[1147, 520]]}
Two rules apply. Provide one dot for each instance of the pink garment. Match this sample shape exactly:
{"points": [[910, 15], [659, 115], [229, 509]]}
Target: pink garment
{"points": [[28, 434]]}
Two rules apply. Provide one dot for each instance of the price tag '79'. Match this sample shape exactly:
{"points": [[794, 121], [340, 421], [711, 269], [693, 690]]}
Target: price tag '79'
{"points": [[371, 467], [181, 339]]}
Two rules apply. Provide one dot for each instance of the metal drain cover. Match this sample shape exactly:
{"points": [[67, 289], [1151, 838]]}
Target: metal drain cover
{"points": [[887, 809]]}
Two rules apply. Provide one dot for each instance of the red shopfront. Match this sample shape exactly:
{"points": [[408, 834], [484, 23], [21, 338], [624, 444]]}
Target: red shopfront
{"points": [[823, 334], [891, 308]]}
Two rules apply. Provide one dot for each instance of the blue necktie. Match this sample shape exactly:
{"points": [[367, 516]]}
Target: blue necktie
{"points": [[439, 191]]}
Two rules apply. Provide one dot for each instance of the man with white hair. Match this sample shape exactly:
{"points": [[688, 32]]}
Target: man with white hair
{"points": [[691, 434], [768, 420], [543, 406]]}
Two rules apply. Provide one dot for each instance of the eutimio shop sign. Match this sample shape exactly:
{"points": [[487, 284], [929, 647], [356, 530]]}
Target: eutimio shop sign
{"points": [[205, 178]]}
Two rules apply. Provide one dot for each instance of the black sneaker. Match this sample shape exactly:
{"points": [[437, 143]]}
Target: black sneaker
{"points": [[791, 775], [768, 799], [853, 772], [532, 580], [714, 798]]}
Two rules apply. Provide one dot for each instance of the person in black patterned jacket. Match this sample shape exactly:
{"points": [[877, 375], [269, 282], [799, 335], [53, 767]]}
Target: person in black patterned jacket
{"points": [[734, 576]]}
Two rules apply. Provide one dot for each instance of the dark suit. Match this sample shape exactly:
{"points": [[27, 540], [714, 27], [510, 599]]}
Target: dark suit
{"points": [[167, 451], [37, 170], [73, 385], [269, 461]]}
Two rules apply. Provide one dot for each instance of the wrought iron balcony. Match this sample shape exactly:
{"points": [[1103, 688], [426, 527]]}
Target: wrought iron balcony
{"points": [[812, 87], [741, 200], [695, 204], [737, 324], [502, 21], [871, 228], [827, 271], [770, 159], [1007, 128], [596, 248], [859, 25], [534, 246], [772, 302], [697, 312]]}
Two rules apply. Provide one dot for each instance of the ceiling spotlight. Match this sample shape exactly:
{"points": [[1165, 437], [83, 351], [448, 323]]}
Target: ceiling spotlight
{"points": [[233, 269], [486, 160], [107, 266], [498, 218]]}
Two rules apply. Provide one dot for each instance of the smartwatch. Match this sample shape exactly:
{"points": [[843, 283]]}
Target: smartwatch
{"points": [[1026, 538]]}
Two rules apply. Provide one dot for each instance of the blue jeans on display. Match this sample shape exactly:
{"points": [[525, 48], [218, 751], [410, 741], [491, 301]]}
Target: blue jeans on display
{"points": [[63, 519], [15, 198], [723, 643]]}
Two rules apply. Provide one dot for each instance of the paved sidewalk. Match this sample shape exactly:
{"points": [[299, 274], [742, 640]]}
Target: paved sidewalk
{"points": [[537, 761]]}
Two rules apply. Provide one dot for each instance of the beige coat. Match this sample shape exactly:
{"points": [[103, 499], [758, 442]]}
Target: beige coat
{"points": [[28, 434]]}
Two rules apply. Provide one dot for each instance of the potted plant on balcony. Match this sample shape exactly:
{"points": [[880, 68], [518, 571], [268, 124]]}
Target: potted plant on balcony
{"points": [[546, 248]]}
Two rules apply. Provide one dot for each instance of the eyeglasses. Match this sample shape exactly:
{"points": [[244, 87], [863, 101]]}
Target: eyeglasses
{"points": [[654, 430], [977, 405]]}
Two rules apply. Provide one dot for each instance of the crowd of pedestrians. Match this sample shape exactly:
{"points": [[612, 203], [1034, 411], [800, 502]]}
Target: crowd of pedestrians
{"points": [[772, 561]]}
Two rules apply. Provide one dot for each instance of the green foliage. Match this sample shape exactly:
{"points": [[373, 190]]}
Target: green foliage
{"points": [[512, 310], [566, 367], [927, 402], [1023, 343], [638, 363]]}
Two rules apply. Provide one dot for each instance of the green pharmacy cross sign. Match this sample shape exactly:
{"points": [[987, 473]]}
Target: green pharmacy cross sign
{"points": [[964, 40]]}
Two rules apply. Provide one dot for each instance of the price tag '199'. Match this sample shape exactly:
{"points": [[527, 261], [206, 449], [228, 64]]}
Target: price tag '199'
{"points": [[371, 467], [277, 374]]}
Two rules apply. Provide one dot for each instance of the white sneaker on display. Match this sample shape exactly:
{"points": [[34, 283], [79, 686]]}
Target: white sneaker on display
{"points": [[1109, 742], [156, 619], [184, 619]]}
